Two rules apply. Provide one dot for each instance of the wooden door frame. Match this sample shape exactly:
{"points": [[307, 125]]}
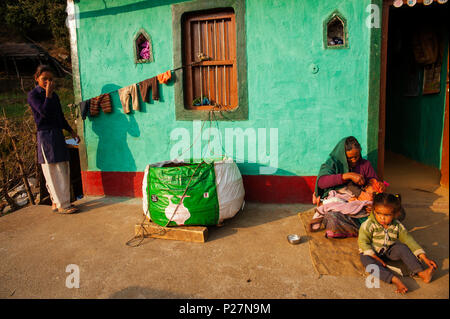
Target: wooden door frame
{"points": [[383, 70], [445, 138]]}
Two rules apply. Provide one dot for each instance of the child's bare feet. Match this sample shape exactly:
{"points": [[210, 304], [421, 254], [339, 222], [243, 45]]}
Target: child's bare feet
{"points": [[401, 288], [426, 274]]}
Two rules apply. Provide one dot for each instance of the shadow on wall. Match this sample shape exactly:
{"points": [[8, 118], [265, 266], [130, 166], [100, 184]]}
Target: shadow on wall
{"points": [[113, 146]]}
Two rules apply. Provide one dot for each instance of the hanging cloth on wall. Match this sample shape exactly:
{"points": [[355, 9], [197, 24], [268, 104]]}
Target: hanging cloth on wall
{"points": [[163, 78], [102, 101], [125, 94], [84, 108], [425, 46], [146, 85]]}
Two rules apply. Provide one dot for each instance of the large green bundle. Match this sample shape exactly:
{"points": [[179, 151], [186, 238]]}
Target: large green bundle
{"points": [[194, 193]]}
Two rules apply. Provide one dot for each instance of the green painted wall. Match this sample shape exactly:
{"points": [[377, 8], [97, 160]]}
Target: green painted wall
{"points": [[312, 111], [414, 124]]}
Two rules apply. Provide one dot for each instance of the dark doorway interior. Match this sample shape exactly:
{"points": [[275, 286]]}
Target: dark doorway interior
{"points": [[416, 76]]}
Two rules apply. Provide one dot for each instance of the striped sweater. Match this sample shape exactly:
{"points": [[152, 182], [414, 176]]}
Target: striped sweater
{"points": [[374, 238]]}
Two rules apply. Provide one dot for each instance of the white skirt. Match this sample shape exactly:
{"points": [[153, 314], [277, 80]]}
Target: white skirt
{"points": [[57, 178]]}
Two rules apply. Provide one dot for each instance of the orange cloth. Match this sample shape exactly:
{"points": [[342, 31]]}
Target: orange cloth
{"points": [[163, 78]]}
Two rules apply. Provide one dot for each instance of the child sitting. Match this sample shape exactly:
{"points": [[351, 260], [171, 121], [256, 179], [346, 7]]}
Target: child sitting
{"points": [[378, 237]]}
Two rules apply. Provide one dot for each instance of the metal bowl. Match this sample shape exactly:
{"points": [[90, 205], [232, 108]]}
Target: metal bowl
{"points": [[294, 239]]}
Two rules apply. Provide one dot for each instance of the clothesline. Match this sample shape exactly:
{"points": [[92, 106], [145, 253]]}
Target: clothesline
{"points": [[183, 66], [103, 101], [127, 85], [172, 70]]}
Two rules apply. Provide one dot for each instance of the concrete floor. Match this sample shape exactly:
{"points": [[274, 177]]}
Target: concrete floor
{"points": [[249, 257]]}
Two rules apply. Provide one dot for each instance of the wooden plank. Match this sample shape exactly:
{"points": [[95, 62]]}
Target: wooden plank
{"points": [[211, 16], [216, 62], [196, 234]]}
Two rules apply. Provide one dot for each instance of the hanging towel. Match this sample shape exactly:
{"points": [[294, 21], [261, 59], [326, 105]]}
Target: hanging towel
{"points": [[102, 101], [163, 78], [84, 108], [146, 85], [125, 94]]}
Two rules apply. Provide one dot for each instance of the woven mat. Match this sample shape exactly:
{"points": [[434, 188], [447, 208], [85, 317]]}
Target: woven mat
{"points": [[334, 257]]}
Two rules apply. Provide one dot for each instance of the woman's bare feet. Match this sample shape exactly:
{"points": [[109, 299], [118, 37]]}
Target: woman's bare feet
{"points": [[426, 274], [401, 288]]}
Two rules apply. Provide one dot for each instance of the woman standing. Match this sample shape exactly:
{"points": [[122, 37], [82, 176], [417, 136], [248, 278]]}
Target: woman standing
{"points": [[51, 146], [344, 165]]}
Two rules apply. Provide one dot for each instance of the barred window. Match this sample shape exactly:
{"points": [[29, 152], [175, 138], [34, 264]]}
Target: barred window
{"points": [[210, 37]]}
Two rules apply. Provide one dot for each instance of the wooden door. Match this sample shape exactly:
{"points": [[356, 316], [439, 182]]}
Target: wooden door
{"points": [[212, 36]]}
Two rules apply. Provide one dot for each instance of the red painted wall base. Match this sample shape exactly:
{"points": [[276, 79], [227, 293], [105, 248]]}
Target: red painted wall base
{"points": [[128, 184], [258, 188]]}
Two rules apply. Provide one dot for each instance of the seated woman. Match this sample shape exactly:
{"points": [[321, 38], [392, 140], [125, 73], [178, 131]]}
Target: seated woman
{"points": [[344, 167]]}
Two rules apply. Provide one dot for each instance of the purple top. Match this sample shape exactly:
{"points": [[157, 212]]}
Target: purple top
{"points": [[50, 122], [363, 167], [47, 112]]}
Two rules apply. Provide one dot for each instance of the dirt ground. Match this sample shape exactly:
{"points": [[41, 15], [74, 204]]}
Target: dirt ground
{"points": [[249, 257]]}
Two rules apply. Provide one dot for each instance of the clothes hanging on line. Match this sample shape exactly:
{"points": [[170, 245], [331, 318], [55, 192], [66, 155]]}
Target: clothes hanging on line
{"points": [[102, 101], [165, 77], [125, 94], [146, 85], [84, 108], [92, 106]]}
